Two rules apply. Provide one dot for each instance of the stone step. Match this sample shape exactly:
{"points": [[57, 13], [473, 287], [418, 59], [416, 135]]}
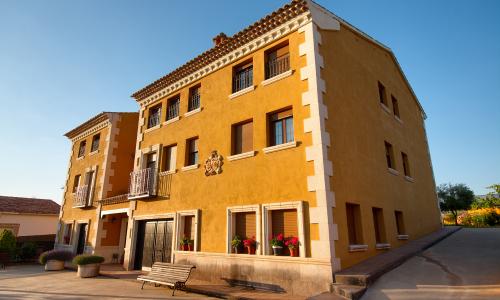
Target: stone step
{"points": [[351, 279], [349, 291]]}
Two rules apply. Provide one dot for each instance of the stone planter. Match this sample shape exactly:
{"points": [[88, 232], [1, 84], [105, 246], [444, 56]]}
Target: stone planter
{"points": [[90, 270], [278, 250], [54, 265]]}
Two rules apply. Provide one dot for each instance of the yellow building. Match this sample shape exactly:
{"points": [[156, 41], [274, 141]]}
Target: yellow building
{"points": [[93, 212], [299, 125]]}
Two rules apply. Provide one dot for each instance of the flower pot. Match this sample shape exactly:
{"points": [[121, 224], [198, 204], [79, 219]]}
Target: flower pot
{"points": [[190, 247], [54, 265], [294, 252], [278, 250], [236, 250], [185, 247], [251, 250], [90, 270]]}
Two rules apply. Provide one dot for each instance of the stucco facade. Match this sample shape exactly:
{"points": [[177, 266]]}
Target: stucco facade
{"points": [[316, 164]]}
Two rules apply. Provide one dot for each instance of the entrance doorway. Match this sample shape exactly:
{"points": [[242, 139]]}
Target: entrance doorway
{"points": [[82, 237], [154, 243]]}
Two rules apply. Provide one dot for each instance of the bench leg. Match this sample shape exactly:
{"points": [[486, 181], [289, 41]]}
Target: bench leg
{"points": [[142, 287]]}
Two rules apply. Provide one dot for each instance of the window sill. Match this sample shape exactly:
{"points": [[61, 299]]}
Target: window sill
{"points": [[382, 246], [189, 168], [402, 237], [385, 108], [80, 157], [392, 171], [242, 92], [280, 147], [398, 119], [169, 172], [358, 248], [192, 112], [152, 128], [241, 155], [94, 152], [409, 179], [172, 120], [276, 78]]}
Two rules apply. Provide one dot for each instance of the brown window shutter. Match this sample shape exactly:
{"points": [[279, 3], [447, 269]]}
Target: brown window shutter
{"points": [[285, 222], [247, 137], [245, 225], [282, 51]]}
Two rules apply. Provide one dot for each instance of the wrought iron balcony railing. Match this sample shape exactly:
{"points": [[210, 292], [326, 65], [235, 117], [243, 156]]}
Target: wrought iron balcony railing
{"points": [[277, 66], [81, 196], [142, 183], [242, 79]]}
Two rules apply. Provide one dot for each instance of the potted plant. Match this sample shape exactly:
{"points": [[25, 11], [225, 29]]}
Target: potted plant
{"points": [[236, 243], [250, 245], [277, 244], [88, 265], [54, 259], [293, 245], [186, 244]]}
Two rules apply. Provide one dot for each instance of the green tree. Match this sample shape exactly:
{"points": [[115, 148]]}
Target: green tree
{"points": [[7, 241], [490, 200], [454, 197]]}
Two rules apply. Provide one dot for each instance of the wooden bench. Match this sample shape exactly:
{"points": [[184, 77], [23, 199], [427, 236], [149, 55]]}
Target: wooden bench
{"points": [[172, 275]]}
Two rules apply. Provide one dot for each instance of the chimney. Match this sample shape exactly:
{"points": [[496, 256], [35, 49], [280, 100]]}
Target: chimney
{"points": [[221, 37]]}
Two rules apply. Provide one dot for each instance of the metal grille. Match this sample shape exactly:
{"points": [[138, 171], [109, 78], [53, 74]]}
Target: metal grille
{"points": [[277, 65], [114, 200], [194, 100], [173, 108], [243, 79], [81, 196], [154, 117], [142, 183]]}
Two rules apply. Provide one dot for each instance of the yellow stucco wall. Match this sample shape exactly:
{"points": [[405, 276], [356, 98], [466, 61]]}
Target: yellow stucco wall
{"points": [[358, 127], [264, 178]]}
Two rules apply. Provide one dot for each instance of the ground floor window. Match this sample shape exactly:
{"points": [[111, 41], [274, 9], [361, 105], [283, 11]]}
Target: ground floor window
{"points": [[67, 233], [378, 225], [400, 224], [187, 230], [354, 227], [243, 229]]}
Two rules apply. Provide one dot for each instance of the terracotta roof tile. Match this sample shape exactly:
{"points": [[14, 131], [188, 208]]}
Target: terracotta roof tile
{"points": [[28, 205]]}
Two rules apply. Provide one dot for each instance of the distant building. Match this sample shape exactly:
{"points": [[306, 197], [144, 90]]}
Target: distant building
{"points": [[29, 218]]}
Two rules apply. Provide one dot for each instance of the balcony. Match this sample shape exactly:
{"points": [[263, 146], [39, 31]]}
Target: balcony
{"points": [[142, 183], [81, 196], [114, 200], [277, 66]]}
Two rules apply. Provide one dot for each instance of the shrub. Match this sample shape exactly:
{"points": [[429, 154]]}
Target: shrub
{"points": [[7, 241], [483, 217], [62, 255], [86, 259], [28, 250]]}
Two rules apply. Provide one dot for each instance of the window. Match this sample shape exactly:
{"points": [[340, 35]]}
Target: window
{"points": [[245, 225], [406, 164], [95, 142], [277, 61], [194, 98], [284, 221], [400, 224], [192, 152], [395, 106], [389, 156], [76, 183], [154, 116], [67, 230], [242, 76], [169, 158], [187, 227], [173, 107], [378, 224], [151, 160], [242, 135], [81, 150], [354, 224], [281, 127], [381, 94]]}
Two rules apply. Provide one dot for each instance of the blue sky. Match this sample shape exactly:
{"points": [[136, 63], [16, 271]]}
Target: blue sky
{"points": [[62, 62]]}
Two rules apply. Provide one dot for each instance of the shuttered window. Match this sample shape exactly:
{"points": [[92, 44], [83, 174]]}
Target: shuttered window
{"points": [[285, 222], [245, 226], [242, 137]]}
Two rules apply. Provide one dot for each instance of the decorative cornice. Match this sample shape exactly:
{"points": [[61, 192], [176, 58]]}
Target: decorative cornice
{"points": [[91, 130], [233, 56]]}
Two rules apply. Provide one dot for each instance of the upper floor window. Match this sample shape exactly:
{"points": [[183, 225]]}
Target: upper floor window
{"points": [[281, 127], [406, 164], [277, 61], [76, 182], [81, 149], [389, 156], [173, 107], [381, 94], [169, 158], [242, 76], [194, 98], [95, 142], [242, 135], [395, 106], [151, 160], [154, 116], [192, 151]]}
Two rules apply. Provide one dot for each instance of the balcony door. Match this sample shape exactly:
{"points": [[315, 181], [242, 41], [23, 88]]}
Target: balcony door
{"points": [[82, 237], [154, 243]]}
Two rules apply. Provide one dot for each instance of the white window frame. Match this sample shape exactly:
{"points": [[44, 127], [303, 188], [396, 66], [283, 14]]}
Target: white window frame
{"points": [[231, 225], [71, 238], [179, 228], [92, 183], [266, 220]]}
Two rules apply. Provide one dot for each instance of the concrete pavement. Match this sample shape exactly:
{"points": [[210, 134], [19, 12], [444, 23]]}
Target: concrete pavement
{"points": [[465, 265]]}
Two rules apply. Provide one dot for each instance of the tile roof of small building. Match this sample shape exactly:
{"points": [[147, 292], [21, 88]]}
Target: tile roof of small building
{"points": [[266, 24], [28, 205]]}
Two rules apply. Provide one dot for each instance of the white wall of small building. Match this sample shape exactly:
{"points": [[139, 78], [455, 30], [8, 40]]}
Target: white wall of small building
{"points": [[31, 224]]}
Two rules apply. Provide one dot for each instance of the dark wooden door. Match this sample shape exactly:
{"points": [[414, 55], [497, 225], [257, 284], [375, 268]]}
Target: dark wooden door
{"points": [[82, 235]]}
